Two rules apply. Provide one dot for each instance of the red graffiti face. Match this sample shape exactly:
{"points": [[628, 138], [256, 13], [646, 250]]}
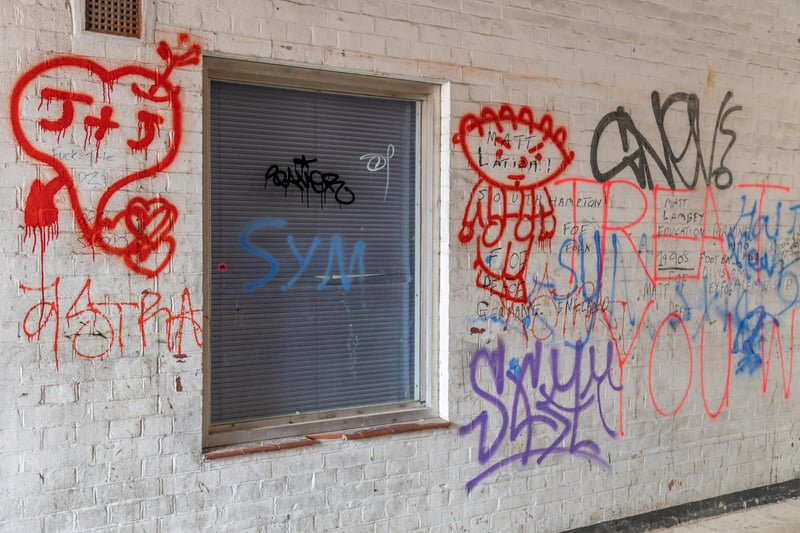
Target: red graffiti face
{"points": [[512, 150], [100, 131]]}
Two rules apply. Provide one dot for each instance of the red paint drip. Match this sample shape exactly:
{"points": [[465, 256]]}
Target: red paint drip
{"points": [[103, 124], [108, 87], [60, 125], [41, 215], [41, 219], [88, 132], [149, 128]]}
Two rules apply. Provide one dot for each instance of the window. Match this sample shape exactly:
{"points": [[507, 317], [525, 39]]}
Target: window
{"points": [[320, 256]]}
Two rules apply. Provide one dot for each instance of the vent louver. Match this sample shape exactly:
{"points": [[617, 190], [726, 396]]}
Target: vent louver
{"points": [[117, 17]]}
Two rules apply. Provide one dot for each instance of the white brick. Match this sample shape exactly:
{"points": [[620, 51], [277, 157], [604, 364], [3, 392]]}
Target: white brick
{"points": [[92, 474], [12, 510], [121, 512], [66, 456], [53, 502], [122, 491], [59, 478], [111, 443], [157, 507], [57, 436], [91, 517], [345, 475], [245, 492], [60, 394], [60, 521], [157, 466], [125, 428], [92, 432], [157, 425]]}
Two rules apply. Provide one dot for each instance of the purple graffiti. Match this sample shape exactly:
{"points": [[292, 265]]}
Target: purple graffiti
{"points": [[552, 403]]}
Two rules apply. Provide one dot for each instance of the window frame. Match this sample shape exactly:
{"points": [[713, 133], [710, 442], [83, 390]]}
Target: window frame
{"points": [[428, 227]]}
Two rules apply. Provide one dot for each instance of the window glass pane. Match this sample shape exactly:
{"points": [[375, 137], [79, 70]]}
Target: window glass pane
{"points": [[312, 251]]}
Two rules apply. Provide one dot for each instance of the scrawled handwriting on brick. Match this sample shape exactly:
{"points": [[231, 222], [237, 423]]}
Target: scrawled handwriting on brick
{"points": [[644, 260], [536, 405], [96, 328], [629, 279], [71, 124]]}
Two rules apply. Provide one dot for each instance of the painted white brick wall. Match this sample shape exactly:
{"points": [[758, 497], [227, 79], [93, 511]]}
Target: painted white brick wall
{"points": [[116, 441]]}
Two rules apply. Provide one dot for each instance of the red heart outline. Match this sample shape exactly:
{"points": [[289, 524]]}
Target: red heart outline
{"points": [[40, 216], [149, 222]]}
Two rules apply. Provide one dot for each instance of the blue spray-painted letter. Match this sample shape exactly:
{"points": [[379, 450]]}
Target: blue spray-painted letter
{"points": [[258, 252]]}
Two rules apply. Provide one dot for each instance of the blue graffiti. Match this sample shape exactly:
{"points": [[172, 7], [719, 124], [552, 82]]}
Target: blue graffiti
{"points": [[584, 294], [335, 269], [244, 240], [760, 254], [356, 257], [751, 276], [301, 260]]}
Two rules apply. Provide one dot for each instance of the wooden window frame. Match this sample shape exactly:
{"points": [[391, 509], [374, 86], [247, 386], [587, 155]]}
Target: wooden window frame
{"points": [[429, 228]]}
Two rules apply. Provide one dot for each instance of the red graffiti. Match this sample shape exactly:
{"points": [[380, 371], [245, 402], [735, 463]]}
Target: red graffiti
{"points": [[724, 401], [515, 157], [103, 124], [678, 324], [95, 328], [657, 275], [672, 317], [705, 245], [155, 102], [699, 284]]}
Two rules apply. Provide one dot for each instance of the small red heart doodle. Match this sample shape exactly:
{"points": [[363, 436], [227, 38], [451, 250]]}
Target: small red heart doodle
{"points": [[148, 224]]}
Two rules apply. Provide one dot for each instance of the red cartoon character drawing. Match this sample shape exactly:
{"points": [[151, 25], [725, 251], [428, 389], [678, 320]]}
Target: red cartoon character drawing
{"points": [[62, 113], [515, 157]]}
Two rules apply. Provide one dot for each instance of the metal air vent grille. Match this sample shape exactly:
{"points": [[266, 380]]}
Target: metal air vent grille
{"points": [[117, 17]]}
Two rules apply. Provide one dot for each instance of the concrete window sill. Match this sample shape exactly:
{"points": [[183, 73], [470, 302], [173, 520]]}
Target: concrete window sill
{"points": [[309, 440]]}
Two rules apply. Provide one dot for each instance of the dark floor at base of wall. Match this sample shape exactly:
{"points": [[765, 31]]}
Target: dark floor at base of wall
{"points": [[672, 516]]}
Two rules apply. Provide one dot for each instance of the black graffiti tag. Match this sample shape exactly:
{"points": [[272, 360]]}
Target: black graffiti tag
{"points": [[668, 163], [308, 180]]}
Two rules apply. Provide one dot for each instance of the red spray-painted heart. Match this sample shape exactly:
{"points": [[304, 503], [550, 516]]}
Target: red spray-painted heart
{"points": [[147, 110], [149, 225]]}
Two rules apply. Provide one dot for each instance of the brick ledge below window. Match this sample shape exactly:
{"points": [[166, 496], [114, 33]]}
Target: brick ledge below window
{"points": [[308, 440]]}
